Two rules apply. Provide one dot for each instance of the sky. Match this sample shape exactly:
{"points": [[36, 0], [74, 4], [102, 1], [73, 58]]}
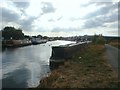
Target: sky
{"points": [[61, 17]]}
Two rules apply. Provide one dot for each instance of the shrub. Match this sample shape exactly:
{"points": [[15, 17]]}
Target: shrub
{"points": [[98, 39]]}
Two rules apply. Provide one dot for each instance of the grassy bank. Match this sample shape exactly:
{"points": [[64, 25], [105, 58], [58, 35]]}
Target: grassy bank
{"points": [[87, 69], [115, 43]]}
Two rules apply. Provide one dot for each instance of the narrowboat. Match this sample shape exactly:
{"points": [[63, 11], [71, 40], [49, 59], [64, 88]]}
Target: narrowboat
{"points": [[62, 52]]}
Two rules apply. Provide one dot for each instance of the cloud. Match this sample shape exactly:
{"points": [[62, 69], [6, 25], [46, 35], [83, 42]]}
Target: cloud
{"points": [[51, 20], [55, 19], [93, 23], [59, 18], [9, 15], [97, 3], [74, 19], [59, 29], [28, 24], [47, 7], [114, 25], [50, 16], [113, 32], [100, 21], [99, 18], [22, 5], [112, 18], [87, 4], [102, 11]]}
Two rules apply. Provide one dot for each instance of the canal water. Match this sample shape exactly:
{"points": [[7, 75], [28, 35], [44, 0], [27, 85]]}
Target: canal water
{"points": [[24, 66]]}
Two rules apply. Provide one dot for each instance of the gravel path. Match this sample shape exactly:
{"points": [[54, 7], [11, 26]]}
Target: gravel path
{"points": [[113, 58]]}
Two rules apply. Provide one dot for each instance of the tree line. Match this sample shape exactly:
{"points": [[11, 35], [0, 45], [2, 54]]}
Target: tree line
{"points": [[12, 33], [16, 34]]}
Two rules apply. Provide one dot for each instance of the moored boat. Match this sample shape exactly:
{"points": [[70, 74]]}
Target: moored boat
{"points": [[62, 52], [66, 51], [38, 41], [16, 43]]}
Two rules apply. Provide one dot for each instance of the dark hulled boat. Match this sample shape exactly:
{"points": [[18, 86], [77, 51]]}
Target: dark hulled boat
{"points": [[16, 43], [35, 42], [66, 51], [62, 52]]}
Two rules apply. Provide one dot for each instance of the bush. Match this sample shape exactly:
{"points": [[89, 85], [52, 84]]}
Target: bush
{"points": [[98, 39]]}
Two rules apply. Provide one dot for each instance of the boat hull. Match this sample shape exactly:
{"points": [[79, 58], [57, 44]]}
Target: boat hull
{"points": [[16, 43], [38, 42], [64, 52]]}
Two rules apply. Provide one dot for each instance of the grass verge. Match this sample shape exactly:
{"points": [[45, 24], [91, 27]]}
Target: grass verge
{"points": [[87, 69], [115, 43]]}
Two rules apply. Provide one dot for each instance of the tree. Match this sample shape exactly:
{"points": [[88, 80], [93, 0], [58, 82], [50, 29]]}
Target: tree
{"points": [[98, 39], [45, 37], [12, 33], [39, 36]]}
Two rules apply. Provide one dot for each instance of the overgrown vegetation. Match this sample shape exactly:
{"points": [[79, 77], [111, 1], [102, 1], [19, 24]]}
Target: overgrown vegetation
{"points": [[98, 39], [115, 43], [86, 70]]}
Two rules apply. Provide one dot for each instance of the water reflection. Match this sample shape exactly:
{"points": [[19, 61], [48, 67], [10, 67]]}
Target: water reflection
{"points": [[25, 66], [16, 79]]}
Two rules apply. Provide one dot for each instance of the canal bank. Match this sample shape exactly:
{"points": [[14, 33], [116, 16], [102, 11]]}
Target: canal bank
{"points": [[86, 69]]}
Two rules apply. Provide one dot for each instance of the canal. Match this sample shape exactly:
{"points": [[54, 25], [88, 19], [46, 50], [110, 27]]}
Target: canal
{"points": [[23, 67]]}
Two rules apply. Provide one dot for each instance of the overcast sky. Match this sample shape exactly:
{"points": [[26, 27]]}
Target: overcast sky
{"points": [[61, 17]]}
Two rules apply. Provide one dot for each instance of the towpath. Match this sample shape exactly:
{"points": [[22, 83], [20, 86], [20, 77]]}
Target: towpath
{"points": [[113, 59]]}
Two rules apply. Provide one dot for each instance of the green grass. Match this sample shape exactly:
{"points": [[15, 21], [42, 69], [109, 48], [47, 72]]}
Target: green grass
{"points": [[87, 69]]}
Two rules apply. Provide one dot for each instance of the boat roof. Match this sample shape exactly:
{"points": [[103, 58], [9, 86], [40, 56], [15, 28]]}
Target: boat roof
{"points": [[72, 44]]}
